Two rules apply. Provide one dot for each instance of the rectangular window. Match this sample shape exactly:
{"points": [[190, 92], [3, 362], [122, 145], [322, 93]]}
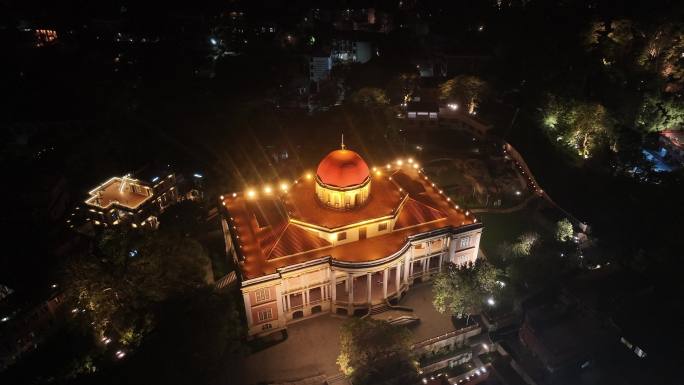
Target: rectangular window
{"points": [[263, 295], [420, 246], [342, 236], [264, 315], [465, 242], [382, 226]]}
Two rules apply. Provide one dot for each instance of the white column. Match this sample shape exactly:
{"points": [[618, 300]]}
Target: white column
{"points": [[441, 257], [248, 308], [398, 272], [425, 265], [407, 265], [384, 282], [370, 288], [287, 298], [333, 279], [452, 250], [281, 312], [351, 288]]}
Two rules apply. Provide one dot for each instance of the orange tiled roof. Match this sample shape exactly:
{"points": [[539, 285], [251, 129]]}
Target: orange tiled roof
{"points": [[268, 240]]}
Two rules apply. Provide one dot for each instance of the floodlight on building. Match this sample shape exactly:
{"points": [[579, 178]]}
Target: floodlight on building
{"points": [[388, 166], [268, 190], [410, 160], [221, 197], [441, 192], [490, 301], [448, 199], [284, 186], [400, 162], [416, 165], [452, 106], [308, 176], [120, 354], [251, 193], [234, 195], [378, 173], [467, 213]]}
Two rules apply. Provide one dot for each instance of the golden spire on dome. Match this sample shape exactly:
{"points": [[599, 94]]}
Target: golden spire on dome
{"points": [[342, 145]]}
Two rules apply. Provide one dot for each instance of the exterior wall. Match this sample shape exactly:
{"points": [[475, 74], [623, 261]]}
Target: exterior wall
{"points": [[345, 199], [319, 68], [328, 286]]}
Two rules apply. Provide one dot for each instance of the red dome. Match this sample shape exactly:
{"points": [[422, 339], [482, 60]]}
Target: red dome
{"points": [[343, 168]]}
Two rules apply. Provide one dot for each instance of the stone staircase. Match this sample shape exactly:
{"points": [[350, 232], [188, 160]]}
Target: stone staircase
{"points": [[377, 309]]}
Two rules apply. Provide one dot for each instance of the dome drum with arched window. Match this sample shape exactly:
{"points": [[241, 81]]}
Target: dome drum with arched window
{"points": [[343, 180]]}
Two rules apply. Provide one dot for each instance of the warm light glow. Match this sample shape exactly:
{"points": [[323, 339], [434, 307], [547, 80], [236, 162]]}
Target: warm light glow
{"points": [[410, 160], [284, 186], [308, 176], [234, 195], [440, 191], [268, 190], [251, 193], [378, 173], [400, 162], [388, 166], [221, 197], [415, 165]]}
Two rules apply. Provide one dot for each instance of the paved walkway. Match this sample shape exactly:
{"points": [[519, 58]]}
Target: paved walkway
{"points": [[310, 350], [432, 323]]}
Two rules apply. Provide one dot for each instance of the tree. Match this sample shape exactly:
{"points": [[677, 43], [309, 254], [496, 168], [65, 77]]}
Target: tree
{"points": [[580, 126], [403, 86], [467, 90], [116, 288], [370, 97], [660, 113], [373, 351], [525, 243], [564, 230], [462, 290]]}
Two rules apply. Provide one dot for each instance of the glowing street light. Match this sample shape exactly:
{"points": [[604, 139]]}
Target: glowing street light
{"points": [[284, 186], [268, 190], [251, 193], [452, 106], [490, 301], [400, 162], [120, 354]]}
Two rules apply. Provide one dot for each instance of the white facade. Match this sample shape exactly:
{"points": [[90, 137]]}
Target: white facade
{"points": [[325, 285]]}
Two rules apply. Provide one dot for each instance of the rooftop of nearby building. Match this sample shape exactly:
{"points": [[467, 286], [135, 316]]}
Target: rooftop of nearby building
{"points": [[117, 191], [676, 137], [269, 240], [422, 106]]}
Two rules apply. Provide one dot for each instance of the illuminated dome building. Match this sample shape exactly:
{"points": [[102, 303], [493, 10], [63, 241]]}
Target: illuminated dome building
{"points": [[331, 243], [343, 180]]}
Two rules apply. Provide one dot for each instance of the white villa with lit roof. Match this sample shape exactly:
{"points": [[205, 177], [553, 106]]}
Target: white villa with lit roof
{"points": [[130, 201], [343, 240]]}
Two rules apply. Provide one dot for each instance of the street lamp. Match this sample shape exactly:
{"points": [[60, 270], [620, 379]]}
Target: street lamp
{"points": [[490, 301]]}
